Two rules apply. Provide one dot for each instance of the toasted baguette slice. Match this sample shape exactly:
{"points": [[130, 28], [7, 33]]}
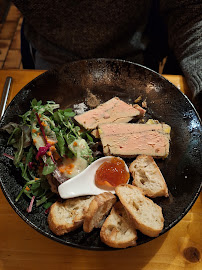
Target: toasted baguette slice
{"points": [[69, 215], [148, 177], [98, 210], [146, 215], [117, 230]]}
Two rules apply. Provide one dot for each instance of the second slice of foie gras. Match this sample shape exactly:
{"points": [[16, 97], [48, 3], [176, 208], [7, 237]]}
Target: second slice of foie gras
{"points": [[112, 111], [130, 140]]}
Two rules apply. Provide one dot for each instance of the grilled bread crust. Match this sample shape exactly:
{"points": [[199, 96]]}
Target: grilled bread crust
{"points": [[147, 176], [117, 230], [98, 210], [144, 213], [69, 215]]}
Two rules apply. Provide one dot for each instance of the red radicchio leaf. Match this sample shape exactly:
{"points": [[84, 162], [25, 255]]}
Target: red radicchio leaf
{"points": [[31, 165], [29, 209], [41, 127], [47, 210], [8, 156], [42, 150]]}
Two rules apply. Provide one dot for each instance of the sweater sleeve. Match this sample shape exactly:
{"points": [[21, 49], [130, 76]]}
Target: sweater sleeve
{"points": [[184, 24]]}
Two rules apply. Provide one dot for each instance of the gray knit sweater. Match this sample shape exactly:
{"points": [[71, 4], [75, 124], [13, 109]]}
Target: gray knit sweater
{"points": [[140, 31]]}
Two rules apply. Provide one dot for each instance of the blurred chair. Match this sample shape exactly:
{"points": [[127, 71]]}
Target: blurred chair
{"points": [[27, 51]]}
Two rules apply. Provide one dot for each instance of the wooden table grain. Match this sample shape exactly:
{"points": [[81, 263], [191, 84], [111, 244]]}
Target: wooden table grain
{"points": [[23, 248]]}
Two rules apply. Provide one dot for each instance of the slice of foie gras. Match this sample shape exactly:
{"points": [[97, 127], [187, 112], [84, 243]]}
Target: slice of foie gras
{"points": [[130, 140], [112, 111]]}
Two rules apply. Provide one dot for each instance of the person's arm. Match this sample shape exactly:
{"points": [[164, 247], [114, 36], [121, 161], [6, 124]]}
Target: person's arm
{"points": [[184, 22]]}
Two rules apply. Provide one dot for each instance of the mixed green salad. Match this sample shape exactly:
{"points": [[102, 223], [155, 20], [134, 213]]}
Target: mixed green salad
{"points": [[49, 148]]}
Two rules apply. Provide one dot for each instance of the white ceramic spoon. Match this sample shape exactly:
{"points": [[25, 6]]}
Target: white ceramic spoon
{"points": [[84, 183]]}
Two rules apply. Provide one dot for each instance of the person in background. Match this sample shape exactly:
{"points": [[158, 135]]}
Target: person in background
{"points": [[56, 32]]}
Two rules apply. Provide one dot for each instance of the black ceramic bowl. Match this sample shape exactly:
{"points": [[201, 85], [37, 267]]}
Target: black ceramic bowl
{"points": [[106, 79]]}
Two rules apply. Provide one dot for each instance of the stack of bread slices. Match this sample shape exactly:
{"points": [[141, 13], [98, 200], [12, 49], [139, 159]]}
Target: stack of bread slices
{"points": [[119, 216]]}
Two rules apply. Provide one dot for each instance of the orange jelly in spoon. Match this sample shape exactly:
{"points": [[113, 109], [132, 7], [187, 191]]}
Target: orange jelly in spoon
{"points": [[111, 174]]}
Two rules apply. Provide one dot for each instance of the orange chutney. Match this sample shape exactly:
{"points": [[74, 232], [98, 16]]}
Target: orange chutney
{"points": [[111, 174]]}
